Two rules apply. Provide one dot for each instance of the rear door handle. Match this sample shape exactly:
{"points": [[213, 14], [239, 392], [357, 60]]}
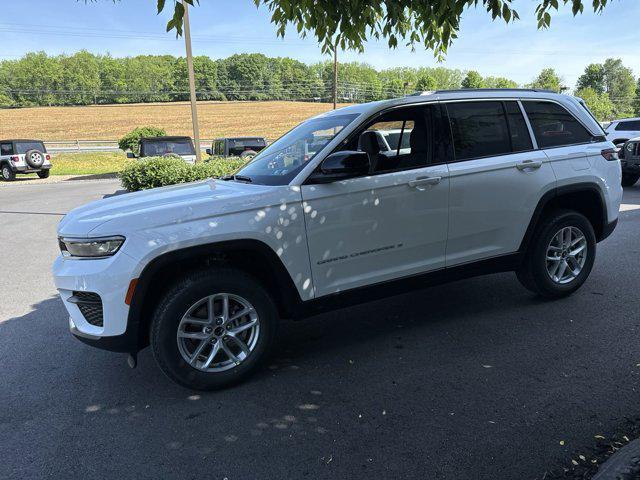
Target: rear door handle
{"points": [[529, 164], [423, 181]]}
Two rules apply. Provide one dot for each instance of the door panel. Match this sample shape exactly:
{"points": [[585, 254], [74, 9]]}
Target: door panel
{"points": [[491, 203], [371, 229]]}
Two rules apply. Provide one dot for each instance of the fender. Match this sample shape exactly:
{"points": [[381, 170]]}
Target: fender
{"points": [[558, 192], [253, 255]]}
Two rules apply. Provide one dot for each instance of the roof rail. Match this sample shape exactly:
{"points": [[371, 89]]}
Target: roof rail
{"points": [[482, 90]]}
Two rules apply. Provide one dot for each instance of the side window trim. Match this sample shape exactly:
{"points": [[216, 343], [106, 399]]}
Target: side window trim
{"points": [[534, 140]]}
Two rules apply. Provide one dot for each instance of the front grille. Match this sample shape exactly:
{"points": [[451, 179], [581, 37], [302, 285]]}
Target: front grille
{"points": [[90, 305]]}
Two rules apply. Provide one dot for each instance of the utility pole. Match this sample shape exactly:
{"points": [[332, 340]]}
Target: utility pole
{"points": [[335, 74], [192, 82]]}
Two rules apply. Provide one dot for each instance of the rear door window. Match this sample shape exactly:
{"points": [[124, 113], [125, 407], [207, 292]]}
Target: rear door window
{"points": [[518, 131], [554, 126], [479, 129]]}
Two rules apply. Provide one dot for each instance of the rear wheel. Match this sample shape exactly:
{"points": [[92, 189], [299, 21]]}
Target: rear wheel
{"points": [[213, 329], [560, 256], [630, 179], [8, 175], [43, 173]]}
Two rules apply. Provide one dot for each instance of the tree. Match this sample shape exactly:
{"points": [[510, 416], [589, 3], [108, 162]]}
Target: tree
{"points": [[599, 103], [434, 24], [548, 80], [593, 77], [499, 82], [131, 141], [621, 86], [473, 80], [426, 83]]}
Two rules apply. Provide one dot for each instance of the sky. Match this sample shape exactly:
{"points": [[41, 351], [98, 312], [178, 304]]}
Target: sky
{"points": [[223, 27]]}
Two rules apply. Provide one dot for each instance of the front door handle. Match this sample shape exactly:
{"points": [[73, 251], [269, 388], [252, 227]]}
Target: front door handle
{"points": [[529, 164], [423, 181]]}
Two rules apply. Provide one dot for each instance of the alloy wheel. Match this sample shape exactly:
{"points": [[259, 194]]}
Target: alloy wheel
{"points": [[566, 255], [218, 332]]}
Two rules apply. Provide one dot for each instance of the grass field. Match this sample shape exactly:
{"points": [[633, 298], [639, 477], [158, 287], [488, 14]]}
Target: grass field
{"points": [[88, 163], [110, 122]]}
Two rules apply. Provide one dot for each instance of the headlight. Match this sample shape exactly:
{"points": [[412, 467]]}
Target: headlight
{"points": [[629, 146], [90, 247]]}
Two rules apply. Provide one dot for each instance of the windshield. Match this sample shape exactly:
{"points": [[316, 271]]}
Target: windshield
{"points": [[157, 148], [281, 161], [24, 147]]}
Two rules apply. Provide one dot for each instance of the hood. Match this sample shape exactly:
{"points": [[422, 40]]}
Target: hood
{"points": [[163, 206]]}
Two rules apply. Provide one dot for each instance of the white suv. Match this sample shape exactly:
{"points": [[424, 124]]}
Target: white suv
{"points": [[492, 181], [23, 156], [619, 131]]}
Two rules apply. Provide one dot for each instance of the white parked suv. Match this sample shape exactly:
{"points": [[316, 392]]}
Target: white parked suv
{"points": [[619, 131], [491, 181], [23, 156]]}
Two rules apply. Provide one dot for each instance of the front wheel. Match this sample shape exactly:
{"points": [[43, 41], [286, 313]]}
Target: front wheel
{"points": [[213, 328], [560, 256], [630, 179]]}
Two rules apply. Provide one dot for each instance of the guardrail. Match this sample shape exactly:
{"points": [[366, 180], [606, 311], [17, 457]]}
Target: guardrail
{"points": [[62, 146]]}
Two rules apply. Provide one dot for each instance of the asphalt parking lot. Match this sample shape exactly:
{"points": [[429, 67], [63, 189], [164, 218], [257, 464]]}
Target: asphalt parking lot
{"points": [[477, 379]]}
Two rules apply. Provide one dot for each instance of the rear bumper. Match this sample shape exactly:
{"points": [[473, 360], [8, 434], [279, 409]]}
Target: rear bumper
{"points": [[27, 169]]}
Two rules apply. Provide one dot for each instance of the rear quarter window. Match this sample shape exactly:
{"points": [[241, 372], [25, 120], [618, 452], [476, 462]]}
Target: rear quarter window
{"points": [[554, 126], [6, 149], [628, 126]]}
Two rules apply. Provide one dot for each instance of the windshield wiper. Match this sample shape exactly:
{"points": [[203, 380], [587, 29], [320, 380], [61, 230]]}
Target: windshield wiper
{"points": [[238, 178]]}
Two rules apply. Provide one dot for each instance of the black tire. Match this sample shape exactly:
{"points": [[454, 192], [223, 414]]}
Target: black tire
{"points": [[248, 153], [187, 292], [8, 175], [44, 173], [34, 158], [533, 272], [630, 179]]}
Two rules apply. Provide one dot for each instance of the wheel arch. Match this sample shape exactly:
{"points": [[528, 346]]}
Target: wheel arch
{"points": [[585, 198], [251, 256], [620, 140]]}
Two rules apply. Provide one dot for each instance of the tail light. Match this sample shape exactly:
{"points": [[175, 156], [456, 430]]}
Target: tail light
{"points": [[48, 157], [610, 154], [15, 158]]}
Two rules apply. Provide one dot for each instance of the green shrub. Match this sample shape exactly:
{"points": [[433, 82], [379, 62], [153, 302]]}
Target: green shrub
{"points": [[161, 171], [131, 140]]}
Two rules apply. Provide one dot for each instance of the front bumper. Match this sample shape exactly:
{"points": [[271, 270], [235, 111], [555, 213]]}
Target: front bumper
{"points": [[631, 165], [109, 278]]}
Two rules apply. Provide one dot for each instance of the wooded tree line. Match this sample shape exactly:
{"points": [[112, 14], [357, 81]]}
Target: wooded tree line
{"points": [[84, 78]]}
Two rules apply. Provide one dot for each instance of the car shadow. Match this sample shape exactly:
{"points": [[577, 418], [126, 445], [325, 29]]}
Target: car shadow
{"points": [[428, 369]]}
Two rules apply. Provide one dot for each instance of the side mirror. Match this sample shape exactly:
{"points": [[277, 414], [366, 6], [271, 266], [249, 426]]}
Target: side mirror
{"points": [[342, 165], [209, 152], [131, 155]]}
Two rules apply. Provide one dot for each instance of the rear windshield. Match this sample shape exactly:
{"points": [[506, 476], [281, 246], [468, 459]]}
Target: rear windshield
{"points": [[158, 148], [24, 147], [236, 147], [247, 142]]}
